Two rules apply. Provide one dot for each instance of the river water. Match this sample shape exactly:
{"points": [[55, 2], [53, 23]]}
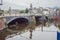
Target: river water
{"points": [[31, 31]]}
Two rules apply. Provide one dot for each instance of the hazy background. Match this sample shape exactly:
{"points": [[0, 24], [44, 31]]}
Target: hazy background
{"points": [[21, 4]]}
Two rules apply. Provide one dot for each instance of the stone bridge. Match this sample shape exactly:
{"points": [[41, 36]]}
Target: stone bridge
{"points": [[20, 19], [14, 18]]}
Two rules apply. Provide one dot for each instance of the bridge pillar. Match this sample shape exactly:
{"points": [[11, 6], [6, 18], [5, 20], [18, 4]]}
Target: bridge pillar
{"points": [[2, 21], [5, 22], [32, 18]]}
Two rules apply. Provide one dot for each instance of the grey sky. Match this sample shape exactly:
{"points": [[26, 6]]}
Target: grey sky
{"points": [[36, 3]]}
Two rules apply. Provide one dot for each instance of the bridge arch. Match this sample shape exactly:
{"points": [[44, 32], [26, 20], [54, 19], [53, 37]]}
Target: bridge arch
{"points": [[19, 20]]}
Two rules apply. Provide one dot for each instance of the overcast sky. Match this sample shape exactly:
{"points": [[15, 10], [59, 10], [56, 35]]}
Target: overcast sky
{"points": [[25, 3]]}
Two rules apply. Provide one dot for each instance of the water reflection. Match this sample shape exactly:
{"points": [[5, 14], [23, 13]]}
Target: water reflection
{"points": [[23, 28], [18, 27], [30, 34], [57, 24]]}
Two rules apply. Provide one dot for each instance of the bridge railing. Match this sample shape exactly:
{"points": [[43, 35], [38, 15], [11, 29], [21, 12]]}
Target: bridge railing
{"points": [[19, 14]]}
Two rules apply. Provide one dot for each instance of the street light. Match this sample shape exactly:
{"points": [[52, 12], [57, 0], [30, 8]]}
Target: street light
{"points": [[1, 1]]}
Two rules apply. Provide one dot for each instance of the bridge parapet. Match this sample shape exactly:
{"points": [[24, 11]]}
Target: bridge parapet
{"points": [[18, 14]]}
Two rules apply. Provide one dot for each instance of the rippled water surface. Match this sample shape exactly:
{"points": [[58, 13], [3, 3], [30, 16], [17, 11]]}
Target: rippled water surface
{"points": [[31, 31]]}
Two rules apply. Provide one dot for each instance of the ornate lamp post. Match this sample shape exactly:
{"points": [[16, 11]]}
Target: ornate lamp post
{"points": [[1, 1]]}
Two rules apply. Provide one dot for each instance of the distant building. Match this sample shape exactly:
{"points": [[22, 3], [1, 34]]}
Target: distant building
{"points": [[35, 10], [14, 11], [38, 10], [31, 8], [11, 11], [58, 12]]}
